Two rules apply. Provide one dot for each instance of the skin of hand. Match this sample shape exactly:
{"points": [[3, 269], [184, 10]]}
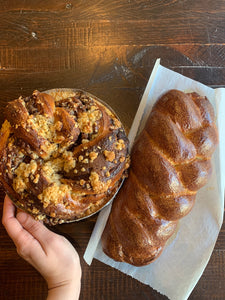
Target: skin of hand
{"points": [[51, 254]]}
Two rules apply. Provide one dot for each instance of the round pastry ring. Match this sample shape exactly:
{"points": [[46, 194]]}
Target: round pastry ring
{"points": [[118, 186]]}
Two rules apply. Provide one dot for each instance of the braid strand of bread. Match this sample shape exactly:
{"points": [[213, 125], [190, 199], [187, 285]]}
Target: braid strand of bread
{"points": [[170, 162]]}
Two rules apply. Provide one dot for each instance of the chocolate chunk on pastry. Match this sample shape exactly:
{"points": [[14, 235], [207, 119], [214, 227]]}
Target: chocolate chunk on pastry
{"points": [[170, 162], [63, 154]]}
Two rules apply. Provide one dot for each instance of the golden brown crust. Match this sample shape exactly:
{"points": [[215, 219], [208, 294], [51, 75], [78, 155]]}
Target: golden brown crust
{"points": [[170, 161], [54, 150]]}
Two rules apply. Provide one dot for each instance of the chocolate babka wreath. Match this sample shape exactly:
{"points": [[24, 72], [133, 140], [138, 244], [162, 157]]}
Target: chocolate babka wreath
{"points": [[63, 154]]}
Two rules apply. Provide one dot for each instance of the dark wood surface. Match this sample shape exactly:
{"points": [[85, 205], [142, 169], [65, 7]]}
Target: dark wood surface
{"points": [[107, 48]]}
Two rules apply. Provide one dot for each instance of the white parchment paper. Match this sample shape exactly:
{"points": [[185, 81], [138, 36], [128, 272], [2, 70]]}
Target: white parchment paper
{"points": [[178, 269]]}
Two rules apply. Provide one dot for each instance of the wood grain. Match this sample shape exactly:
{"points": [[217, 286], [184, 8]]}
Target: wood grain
{"points": [[107, 48]]}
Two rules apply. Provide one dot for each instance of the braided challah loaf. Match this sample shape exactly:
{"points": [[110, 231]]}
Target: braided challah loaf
{"points": [[63, 154], [170, 161]]}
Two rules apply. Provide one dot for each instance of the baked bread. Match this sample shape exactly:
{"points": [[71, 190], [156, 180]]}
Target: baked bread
{"points": [[170, 162], [63, 154]]}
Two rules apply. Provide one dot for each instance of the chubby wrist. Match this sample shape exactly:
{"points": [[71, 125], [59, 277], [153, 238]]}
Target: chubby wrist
{"points": [[67, 290], [65, 287]]}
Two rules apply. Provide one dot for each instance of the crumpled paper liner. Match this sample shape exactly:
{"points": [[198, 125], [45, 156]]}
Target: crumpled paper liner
{"points": [[183, 260]]}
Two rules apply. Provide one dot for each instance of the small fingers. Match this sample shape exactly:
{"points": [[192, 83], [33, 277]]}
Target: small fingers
{"points": [[24, 224], [24, 241], [8, 209], [28, 247], [42, 234], [11, 224]]}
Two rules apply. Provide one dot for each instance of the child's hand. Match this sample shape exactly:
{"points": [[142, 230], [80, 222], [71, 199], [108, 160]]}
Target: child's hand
{"points": [[51, 254]]}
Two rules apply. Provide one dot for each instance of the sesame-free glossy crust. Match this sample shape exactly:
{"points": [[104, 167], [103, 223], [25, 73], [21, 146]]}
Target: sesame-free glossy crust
{"points": [[170, 162]]}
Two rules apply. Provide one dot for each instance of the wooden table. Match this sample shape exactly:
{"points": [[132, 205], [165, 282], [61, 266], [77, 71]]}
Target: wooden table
{"points": [[107, 48]]}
